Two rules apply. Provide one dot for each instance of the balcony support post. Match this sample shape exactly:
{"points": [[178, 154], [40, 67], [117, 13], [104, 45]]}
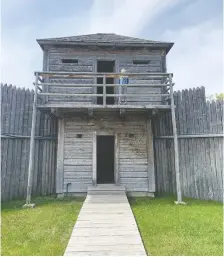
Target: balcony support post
{"points": [[32, 148], [176, 151]]}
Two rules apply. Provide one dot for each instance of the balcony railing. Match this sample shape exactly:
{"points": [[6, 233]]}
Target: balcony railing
{"points": [[79, 90]]}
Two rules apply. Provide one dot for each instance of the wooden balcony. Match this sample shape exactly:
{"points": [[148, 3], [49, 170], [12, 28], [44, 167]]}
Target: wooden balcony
{"points": [[72, 90]]}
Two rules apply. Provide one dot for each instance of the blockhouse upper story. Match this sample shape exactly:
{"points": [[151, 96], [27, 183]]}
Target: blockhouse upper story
{"points": [[85, 71]]}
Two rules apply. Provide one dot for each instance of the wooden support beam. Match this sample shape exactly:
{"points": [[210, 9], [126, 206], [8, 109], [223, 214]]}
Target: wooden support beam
{"points": [[94, 160], [155, 112], [98, 106], [32, 147], [90, 112], [60, 158], [116, 159], [150, 156], [56, 112], [93, 74], [176, 151], [192, 136], [63, 85], [122, 112]]}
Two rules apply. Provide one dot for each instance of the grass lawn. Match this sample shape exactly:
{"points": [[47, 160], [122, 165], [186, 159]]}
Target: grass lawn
{"points": [[169, 229], [44, 230]]}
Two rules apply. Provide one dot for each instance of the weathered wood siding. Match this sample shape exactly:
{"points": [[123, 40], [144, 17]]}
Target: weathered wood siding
{"points": [[87, 60], [132, 152]]}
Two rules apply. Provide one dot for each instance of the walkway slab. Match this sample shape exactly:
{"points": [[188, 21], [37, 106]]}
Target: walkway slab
{"points": [[105, 227]]}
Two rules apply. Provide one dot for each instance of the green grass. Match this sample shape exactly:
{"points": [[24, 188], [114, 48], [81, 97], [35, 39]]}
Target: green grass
{"points": [[169, 229], [44, 230]]}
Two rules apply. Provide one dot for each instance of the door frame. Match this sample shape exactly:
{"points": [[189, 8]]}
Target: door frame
{"points": [[94, 157], [116, 70]]}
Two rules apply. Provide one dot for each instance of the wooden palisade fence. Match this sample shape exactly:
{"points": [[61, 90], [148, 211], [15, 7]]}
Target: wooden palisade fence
{"points": [[200, 132], [199, 127], [16, 116]]}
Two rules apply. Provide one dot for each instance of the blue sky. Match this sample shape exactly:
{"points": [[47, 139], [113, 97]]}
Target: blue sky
{"points": [[195, 26]]}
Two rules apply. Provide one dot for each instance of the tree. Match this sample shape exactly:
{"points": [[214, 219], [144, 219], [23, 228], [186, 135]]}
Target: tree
{"points": [[219, 96]]}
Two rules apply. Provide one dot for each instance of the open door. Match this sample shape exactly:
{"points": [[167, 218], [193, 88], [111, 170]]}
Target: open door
{"points": [[105, 159]]}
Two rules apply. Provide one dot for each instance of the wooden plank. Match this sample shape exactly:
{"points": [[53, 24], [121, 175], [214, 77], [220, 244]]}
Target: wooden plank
{"points": [[4, 143], [36, 156], [48, 159], [21, 142], [60, 157], [16, 160], [121, 218], [87, 105], [150, 157], [11, 154], [184, 143], [133, 174], [78, 168], [94, 160], [44, 157], [51, 187], [31, 131], [24, 158], [77, 175], [117, 156]]}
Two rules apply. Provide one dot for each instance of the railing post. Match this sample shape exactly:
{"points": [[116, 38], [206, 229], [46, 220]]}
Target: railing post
{"points": [[104, 91], [176, 151], [32, 147]]}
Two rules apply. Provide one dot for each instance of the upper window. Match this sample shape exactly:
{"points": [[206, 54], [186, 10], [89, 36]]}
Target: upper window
{"points": [[69, 61], [141, 61]]}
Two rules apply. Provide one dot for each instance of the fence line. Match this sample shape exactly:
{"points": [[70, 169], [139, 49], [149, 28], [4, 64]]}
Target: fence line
{"points": [[16, 116], [200, 133]]}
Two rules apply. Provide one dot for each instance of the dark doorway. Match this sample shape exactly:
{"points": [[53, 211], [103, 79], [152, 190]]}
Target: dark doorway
{"points": [[105, 66], [105, 159]]}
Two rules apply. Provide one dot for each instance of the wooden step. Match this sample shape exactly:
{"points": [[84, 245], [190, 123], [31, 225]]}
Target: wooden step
{"points": [[106, 189]]}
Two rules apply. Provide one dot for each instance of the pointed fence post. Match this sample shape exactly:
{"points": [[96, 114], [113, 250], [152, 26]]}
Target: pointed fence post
{"points": [[176, 151], [32, 148]]}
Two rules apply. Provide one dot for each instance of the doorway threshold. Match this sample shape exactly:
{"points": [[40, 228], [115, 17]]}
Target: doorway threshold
{"points": [[106, 188]]}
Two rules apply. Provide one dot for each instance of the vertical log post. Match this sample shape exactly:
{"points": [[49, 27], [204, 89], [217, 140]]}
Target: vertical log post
{"points": [[32, 147], [176, 151]]}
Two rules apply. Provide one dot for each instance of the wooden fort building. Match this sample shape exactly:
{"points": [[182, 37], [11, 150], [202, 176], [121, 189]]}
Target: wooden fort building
{"points": [[105, 130]]}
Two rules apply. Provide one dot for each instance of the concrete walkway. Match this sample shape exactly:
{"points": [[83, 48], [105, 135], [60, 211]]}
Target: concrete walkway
{"points": [[105, 226]]}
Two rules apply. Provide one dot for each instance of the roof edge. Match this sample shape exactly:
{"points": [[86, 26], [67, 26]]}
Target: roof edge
{"points": [[166, 45]]}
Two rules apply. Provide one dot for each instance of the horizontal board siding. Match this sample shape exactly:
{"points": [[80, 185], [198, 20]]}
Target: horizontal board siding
{"points": [[87, 57], [132, 162], [77, 162]]}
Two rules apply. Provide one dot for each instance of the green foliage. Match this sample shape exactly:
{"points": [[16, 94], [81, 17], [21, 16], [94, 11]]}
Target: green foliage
{"points": [[177, 230], [43, 230], [219, 96]]}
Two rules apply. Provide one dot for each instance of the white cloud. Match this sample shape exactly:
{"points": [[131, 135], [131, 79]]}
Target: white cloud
{"points": [[127, 17], [195, 60], [22, 56], [197, 57]]}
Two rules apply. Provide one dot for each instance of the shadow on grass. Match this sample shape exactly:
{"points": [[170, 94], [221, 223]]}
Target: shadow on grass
{"points": [[39, 201]]}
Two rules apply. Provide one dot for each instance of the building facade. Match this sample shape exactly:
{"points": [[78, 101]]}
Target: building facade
{"points": [[104, 129]]}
